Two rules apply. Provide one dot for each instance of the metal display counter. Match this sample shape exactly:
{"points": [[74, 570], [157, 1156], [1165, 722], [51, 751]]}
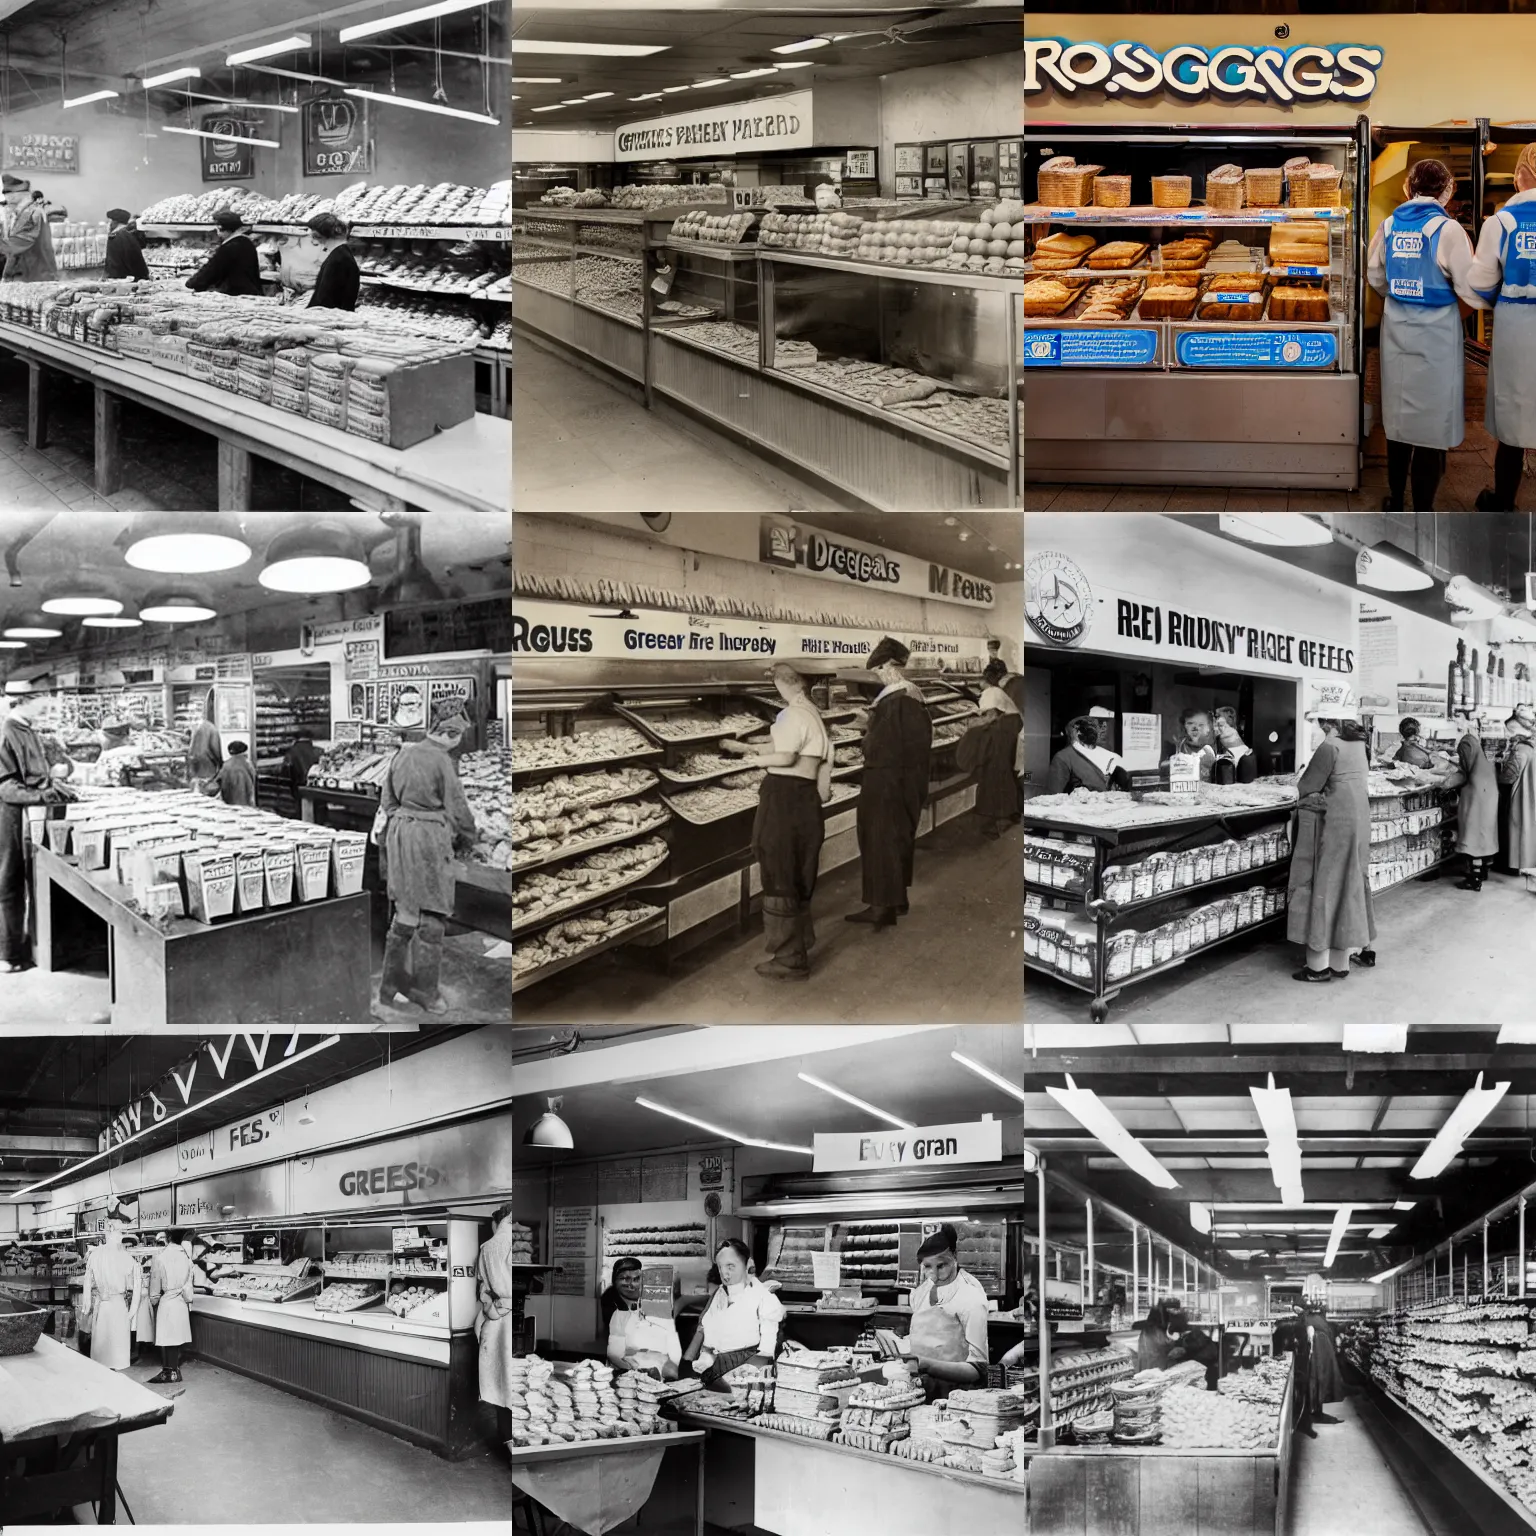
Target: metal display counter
{"points": [[304, 964]]}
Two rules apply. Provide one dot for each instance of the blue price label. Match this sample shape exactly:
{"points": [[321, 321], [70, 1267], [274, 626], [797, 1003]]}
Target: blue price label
{"points": [[1296, 271], [1192, 218], [1042, 349], [1118, 348], [1257, 349]]}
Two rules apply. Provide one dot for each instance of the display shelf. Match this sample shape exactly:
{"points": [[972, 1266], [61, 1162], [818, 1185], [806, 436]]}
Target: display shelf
{"points": [[576, 849], [613, 314], [1146, 213], [373, 281], [649, 927], [586, 764], [747, 250], [1251, 876], [953, 277], [677, 330], [677, 781], [588, 899], [495, 233]]}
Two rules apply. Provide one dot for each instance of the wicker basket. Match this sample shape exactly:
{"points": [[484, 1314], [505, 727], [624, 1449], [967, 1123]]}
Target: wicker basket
{"points": [[1225, 195], [1071, 187], [1263, 187], [1112, 191], [1319, 188], [21, 1326], [1172, 191]]}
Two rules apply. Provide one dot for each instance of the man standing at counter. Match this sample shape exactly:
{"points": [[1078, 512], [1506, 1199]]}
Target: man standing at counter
{"points": [[110, 1299], [948, 1336]]}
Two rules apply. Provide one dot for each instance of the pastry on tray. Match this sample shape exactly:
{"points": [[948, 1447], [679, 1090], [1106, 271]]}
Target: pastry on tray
{"points": [[1185, 255], [1232, 296], [1298, 302], [1166, 300], [1063, 244], [1300, 242], [1119, 253], [1047, 296]]}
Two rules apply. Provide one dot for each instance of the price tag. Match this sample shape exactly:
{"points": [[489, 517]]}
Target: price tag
{"points": [[748, 197], [1063, 213], [1191, 218], [1305, 271], [826, 1271], [1034, 903]]}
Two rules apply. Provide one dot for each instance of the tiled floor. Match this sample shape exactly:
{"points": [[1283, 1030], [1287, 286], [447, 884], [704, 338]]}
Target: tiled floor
{"points": [[1343, 1485], [578, 443]]}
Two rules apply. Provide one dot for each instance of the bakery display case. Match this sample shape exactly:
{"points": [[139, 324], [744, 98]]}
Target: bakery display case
{"points": [[1193, 303]]}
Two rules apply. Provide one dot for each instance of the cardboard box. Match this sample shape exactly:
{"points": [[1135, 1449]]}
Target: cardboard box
{"points": [[418, 402], [210, 877], [278, 861], [348, 850], [250, 879], [312, 881]]}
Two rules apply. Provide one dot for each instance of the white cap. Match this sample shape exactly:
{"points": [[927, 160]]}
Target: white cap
{"points": [[1098, 712]]}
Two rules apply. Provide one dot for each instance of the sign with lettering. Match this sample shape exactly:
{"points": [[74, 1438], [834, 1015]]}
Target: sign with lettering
{"points": [[1342, 72], [362, 660], [236, 1196], [336, 137], [740, 127], [922, 1146], [343, 630], [57, 154], [157, 1209], [502, 233], [656, 1290], [225, 156], [859, 165], [812, 552]]}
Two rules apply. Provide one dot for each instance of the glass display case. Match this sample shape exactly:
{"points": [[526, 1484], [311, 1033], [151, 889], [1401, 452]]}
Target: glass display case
{"points": [[1193, 314]]}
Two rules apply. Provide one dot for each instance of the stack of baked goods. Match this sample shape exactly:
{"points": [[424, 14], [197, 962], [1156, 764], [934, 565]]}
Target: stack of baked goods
{"points": [[1294, 302], [1232, 296], [1263, 186], [1188, 254], [1062, 251], [1233, 256], [1170, 296], [1046, 296], [1118, 255], [1299, 243], [1224, 188], [1112, 299]]}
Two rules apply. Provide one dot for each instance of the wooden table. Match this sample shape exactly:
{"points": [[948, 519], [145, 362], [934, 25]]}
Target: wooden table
{"points": [[466, 469], [61, 1416], [306, 964], [569, 1479]]}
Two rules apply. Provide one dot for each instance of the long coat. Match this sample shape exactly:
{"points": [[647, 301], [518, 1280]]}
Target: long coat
{"points": [[170, 1288], [28, 248], [23, 776], [898, 751], [1477, 807], [493, 1290], [110, 1300], [426, 813], [1330, 891], [1327, 1380], [1517, 797], [988, 752]]}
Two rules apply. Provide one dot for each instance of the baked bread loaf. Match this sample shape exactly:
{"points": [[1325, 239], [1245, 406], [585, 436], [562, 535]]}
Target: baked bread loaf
{"points": [[1297, 302], [1059, 163], [1185, 255], [1063, 243], [1119, 253], [1225, 173], [1168, 300], [1296, 163], [1302, 243], [1110, 299], [1047, 296], [1222, 297]]}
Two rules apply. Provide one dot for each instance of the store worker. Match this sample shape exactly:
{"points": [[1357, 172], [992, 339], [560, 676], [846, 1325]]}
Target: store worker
{"points": [[1517, 792], [423, 821], [788, 829], [110, 1299], [25, 779], [205, 754], [338, 281], [1325, 1382], [1293, 1337], [1157, 1330], [1411, 752], [636, 1341], [948, 1333], [144, 1318], [1329, 910], [1419, 258], [740, 1326], [234, 266], [1197, 738], [235, 782], [125, 256], [1234, 762], [987, 750], [493, 1320], [898, 755], [1477, 806], [28, 242], [1503, 278], [170, 1292], [1083, 763]]}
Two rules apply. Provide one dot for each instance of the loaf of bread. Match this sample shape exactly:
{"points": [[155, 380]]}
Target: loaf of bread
{"points": [[1222, 297], [1296, 302], [1062, 244], [1185, 255], [1168, 300], [1059, 163], [1111, 299], [1301, 242], [1047, 296], [1119, 253]]}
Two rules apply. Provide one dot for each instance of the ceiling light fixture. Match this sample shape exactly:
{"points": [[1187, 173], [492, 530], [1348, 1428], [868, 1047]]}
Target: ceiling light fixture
{"points": [[1475, 1107], [1404, 1205], [191, 72], [549, 1130], [176, 608], [423, 106], [991, 1076], [1200, 1217], [596, 95], [127, 619], [183, 547], [298, 43], [1085, 1106], [1282, 1148], [538, 80], [203, 133], [798, 64], [591, 50], [1336, 1235], [554, 108], [1278, 530], [1516, 1034], [1377, 1233], [848, 1098], [315, 557], [752, 74], [405, 18], [1384, 568], [698, 85], [803, 45], [1392, 1038], [33, 626], [649, 96], [672, 90], [715, 1130], [13, 645], [78, 598], [80, 101], [225, 101], [1473, 600], [572, 101]]}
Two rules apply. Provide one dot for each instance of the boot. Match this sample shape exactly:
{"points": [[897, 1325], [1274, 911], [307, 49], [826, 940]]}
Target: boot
{"points": [[429, 965], [395, 984], [164, 1376], [876, 917], [176, 1374]]}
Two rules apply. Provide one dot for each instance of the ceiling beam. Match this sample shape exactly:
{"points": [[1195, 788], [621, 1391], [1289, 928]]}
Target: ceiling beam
{"points": [[1220, 1186], [1146, 1062], [63, 1146]]}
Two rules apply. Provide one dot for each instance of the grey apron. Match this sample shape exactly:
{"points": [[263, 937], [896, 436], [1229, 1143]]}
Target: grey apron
{"points": [[1422, 375], [1510, 414]]}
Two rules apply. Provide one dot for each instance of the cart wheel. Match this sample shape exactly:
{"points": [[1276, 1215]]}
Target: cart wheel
{"points": [[1098, 1010]]}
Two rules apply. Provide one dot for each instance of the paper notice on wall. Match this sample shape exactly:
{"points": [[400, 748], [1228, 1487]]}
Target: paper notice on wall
{"points": [[618, 1182], [573, 1243], [664, 1178], [827, 1271], [1376, 666], [1141, 740]]}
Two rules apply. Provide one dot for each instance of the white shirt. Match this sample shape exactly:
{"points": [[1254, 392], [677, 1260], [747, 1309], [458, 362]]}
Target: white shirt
{"points": [[966, 1301], [993, 697], [1101, 758], [1453, 254], [630, 1331], [746, 1318], [798, 728], [1486, 274]]}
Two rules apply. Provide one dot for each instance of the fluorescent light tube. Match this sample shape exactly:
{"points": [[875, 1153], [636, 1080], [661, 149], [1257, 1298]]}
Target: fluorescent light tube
{"points": [[1404, 1205], [752, 74], [224, 101], [991, 1076], [848, 1098], [557, 107], [1475, 1107], [191, 72], [537, 80], [1517, 1034], [1376, 1037], [572, 101], [596, 95], [1336, 1236], [80, 101], [1287, 530], [423, 106], [698, 85], [298, 43], [649, 96], [1377, 1233], [802, 45], [672, 90], [591, 50], [203, 133], [1090, 1112], [1281, 1146], [798, 64], [715, 1130], [1200, 1217], [405, 18]]}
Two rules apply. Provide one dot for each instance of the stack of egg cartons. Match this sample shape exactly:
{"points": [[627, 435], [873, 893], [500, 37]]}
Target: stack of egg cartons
{"points": [[640, 1399], [494, 207], [594, 1401]]}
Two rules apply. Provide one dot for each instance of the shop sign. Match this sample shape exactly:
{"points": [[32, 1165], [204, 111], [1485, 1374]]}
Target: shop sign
{"points": [[810, 552], [1090, 349], [920, 1146], [157, 1209], [362, 660], [336, 137], [224, 158], [1257, 349], [91, 1219], [235, 1196], [56, 154], [370, 628], [463, 1162], [1058, 602], [209, 1070], [740, 127], [1305, 73]]}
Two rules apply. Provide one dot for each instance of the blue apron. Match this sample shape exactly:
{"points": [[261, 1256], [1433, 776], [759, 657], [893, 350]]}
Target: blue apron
{"points": [[1510, 414], [1422, 371]]}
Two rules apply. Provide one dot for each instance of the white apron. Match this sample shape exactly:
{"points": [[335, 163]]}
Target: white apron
{"points": [[171, 1281], [112, 1283], [496, 1359], [144, 1318], [1510, 413], [1422, 375], [936, 1335]]}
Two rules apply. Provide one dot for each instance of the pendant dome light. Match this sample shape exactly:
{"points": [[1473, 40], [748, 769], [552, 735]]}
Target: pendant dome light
{"points": [[80, 597], [127, 618], [32, 626], [185, 546], [176, 607], [316, 557], [13, 645]]}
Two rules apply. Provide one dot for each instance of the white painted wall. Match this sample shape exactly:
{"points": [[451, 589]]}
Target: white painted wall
{"points": [[971, 99]]}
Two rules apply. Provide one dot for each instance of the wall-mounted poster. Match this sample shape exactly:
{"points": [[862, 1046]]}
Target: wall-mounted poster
{"points": [[859, 165], [959, 180], [450, 696], [909, 159], [361, 660], [54, 154], [337, 137], [936, 160], [225, 158], [984, 164]]}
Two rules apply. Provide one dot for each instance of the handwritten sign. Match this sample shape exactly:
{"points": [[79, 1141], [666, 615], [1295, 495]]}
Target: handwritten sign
{"points": [[656, 1290], [362, 660], [859, 165], [571, 1245], [56, 153], [431, 232], [826, 1271]]}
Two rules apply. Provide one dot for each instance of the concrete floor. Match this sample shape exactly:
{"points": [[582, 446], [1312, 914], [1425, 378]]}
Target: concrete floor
{"points": [[579, 442], [237, 1451], [1443, 956], [957, 957], [1342, 1483]]}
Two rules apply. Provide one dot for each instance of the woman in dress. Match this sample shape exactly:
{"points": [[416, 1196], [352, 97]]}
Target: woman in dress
{"points": [[1477, 807], [1084, 764], [1329, 911], [1517, 792], [741, 1324], [1411, 752]]}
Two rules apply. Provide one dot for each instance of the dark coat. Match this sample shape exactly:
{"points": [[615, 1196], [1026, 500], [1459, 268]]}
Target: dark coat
{"points": [[206, 750], [898, 754], [427, 814], [1244, 771], [1330, 891], [237, 780], [1477, 807], [125, 256], [23, 775], [1326, 1379], [1070, 770], [29, 248], [987, 751], [338, 281], [233, 268], [1518, 792], [1413, 754], [302, 756]]}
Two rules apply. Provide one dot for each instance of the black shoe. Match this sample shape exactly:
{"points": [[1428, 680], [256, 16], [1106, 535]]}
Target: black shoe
{"points": [[1365, 957], [1469, 885], [1389, 504], [1339, 975], [161, 1379], [1325, 1418], [1308, 1431], [903, 909], [176, 1374], [778, 972], [1314, 976], [876, 917]]}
